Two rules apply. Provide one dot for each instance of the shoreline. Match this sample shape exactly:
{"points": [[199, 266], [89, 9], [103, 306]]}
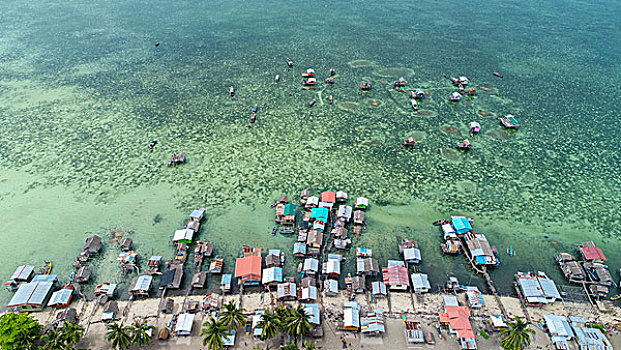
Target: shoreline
{"points": [[423, 308]]}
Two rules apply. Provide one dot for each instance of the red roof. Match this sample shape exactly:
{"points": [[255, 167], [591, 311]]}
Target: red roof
{"points": [[457, 311], [250, 265], [593, 253], [465, 334], [328, 196], [458, 317], [396, 275]]}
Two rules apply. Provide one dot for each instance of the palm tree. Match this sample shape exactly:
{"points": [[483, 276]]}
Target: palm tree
{"points": [[232, 316], [297, 324], [71, 334], [290, 346], [517, 335], [140, 333], [270, 325], [53, 340], [118, 335], [311, 345], [213, 333]]}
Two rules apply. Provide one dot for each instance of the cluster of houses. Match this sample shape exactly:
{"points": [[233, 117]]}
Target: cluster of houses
{"points": [[590, 268], [562, 330], [536, 289], [458, 233]]}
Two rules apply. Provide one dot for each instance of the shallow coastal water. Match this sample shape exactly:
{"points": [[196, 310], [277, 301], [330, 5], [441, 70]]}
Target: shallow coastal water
{"points": [[83, 88]]}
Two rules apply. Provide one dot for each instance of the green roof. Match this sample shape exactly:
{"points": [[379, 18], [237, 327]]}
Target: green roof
{"points": [[513, 120], [290, 209]]}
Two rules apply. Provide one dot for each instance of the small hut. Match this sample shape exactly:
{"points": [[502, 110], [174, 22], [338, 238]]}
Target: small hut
{"points": [[272, 275], [83, 275], [311, 266], [361, 203], [225, 282], [328, 197], [198, 214], [344, 212], [331, 287], [284, 199], [420, 283], [341, 196], [378, 289], [199, 279], [140, 285], [358, 217], [109, 311], [312, 202], [184, 324], [286, 291], [308, 294], [367, 266], [299, 249], [289, 214], [126, 244], [248, 270], [333, 268], [356, 284], [93, 245], [167, 306]]}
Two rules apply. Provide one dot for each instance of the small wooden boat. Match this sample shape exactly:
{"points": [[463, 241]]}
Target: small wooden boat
{"points": [[510, 250], [465, 145], [472, 91], [274, 231], [312, 102], [289, 62], [177, 159], [418, 94], [309, 73], [510, 122], [455, 97], [400, 89], [414, 104], [277, 78], [365, 86], [330, 80], [216, 265], [330, 99], [332, 72], [430, 338], [474, 128], [46, 269], [399, 83], [616, 297], [496, 74], [232, 91]]}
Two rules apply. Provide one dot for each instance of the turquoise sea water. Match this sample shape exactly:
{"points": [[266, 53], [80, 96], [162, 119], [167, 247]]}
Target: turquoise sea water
{"points": [[83, 89]]}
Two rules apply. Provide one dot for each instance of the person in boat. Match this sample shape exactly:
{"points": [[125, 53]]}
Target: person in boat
{"points": [[289, 62], [330, 99], [365, 86], [462, 90], [232, 91], [472, 91], [330, 80], [332, 72], [152, 145], [498, 74]]}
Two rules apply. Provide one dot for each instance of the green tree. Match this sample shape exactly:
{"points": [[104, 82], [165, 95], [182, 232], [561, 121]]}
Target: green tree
{"points": [[270, 325], [517, 335], [53, 340], [213, 332], [18, 331], [311, 345], [118, 335], [297, 324], [140, 333], [232, 316], [290, 346]]}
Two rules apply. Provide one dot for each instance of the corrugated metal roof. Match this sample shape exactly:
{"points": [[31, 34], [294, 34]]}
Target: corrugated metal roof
{"points": [[184, 324], [272, 274], [22, 273], [61, 297], [351, 318], [311, 264], [412, 254], [420, 281], [313, 311], [378, 287], [143, 283]]}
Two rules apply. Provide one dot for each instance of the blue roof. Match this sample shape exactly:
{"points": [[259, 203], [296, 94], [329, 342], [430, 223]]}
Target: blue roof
{"points": [[226, 278], [319, 213], [481, 259], [461, 224]]}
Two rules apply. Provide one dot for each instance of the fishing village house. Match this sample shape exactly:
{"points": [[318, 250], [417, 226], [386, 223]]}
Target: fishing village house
{"points": [[367, 266], [362, 203], [480, 249], [33, 296], [351, 316], [333, 268], [312, 202], [457, 320], [344, 212], [559, 329], [111, 308], [587, 337], [313, 311], [475, 298], [330, 287], [378, 289], [536, 289], [248, 270], [140, 285], [328, 197], [373, 323], [356, 284], [341, 196], [313, 242], [420, 283], [272, 276], [308, 294], [61, 298], [311, 266], [286, 291], [396, 278], [184, 324]]}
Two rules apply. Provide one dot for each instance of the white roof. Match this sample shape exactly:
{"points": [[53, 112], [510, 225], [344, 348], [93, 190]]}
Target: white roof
{"points": [[344, 212], [362, 201], [333, 266], [312, 200], [313, 311], [373, 322], [61, 297], [420, 281], [392, 263], [331, 285], [143, 283], [450, 300], [22, 272], [198, 213], [412, 254], [184, 324], [475, 125], [351, 317], [558, 326], [311, 264], [183, 234], [538, 288], [378, 287], [286, 289], [341, 194], [33, 294], [498, 321], [272, 274], [309, 293], [591, 338]]}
